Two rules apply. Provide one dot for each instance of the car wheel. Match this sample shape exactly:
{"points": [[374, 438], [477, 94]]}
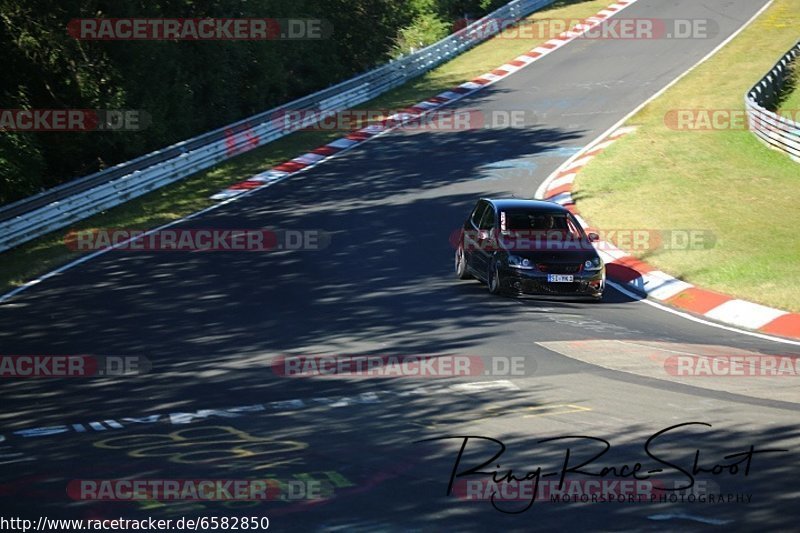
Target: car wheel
{"points": [[461, 264], [495, 287]]}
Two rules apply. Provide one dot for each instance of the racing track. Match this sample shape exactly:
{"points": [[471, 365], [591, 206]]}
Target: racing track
{"points": [[211, 322]]}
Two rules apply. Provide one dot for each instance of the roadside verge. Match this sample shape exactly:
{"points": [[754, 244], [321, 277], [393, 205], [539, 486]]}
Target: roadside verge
{"points": [[647, 280], [693, 163]]}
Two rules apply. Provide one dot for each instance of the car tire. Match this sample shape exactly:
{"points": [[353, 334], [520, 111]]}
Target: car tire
{"points": [[461, 264], [493, 281]]}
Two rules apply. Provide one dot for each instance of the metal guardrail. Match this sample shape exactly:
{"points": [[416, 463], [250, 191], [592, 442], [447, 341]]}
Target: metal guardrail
{"points": [[80, 198], [776, 131]]}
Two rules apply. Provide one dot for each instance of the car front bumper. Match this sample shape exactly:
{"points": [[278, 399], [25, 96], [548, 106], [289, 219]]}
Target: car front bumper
{"points": [[591, 284]]}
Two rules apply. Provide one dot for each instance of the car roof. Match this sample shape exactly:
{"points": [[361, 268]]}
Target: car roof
{"points": [[502, 204]]}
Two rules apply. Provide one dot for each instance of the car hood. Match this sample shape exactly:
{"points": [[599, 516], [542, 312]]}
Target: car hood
{"points": [[560, 256]]}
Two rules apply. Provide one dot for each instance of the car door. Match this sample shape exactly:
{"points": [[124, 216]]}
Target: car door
{"points": [[486, 242], [470, 236]]}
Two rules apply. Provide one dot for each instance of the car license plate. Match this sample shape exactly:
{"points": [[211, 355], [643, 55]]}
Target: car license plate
{"points": [[560, 278]]}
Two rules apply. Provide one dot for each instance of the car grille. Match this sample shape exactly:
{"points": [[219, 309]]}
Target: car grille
{"points": [[559, 268], [536, 287], [560, 288]]}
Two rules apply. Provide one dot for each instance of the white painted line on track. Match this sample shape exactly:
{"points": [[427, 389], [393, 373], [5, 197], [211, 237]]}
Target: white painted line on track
{"points": [[620, 130], [745, 314], [699, 320], [682, 516], [617, 126]]}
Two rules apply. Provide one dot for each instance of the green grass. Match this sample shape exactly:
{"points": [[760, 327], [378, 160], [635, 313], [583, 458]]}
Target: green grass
{"points": [[725, 181], [790, 103], [192, 194]]}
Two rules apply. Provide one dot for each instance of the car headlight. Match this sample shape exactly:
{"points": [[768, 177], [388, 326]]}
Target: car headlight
{"points": [[593, 264], [520, 263]]}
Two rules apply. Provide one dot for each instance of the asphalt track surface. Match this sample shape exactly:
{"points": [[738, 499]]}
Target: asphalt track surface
{"points": [[211, 323]]}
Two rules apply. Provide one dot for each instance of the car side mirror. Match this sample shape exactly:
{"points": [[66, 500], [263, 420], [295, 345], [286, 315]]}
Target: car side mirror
{"points": [[593, 237]]}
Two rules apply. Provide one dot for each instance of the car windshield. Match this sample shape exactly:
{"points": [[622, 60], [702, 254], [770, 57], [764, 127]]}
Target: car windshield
{"points": [[538, 221]]}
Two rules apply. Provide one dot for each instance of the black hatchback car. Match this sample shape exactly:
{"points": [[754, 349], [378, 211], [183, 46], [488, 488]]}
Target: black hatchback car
{"points": [[529, 247]]}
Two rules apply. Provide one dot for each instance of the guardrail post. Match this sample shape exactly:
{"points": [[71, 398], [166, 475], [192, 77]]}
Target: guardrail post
{"points": [[780, 133]]}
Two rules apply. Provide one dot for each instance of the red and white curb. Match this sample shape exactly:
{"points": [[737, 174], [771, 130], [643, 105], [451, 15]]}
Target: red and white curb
{"points": [[645, 279], [417, 111]]}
